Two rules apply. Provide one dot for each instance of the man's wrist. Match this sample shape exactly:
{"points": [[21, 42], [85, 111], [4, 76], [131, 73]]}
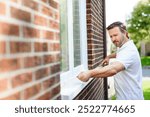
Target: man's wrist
{"points": [[109, 56]]}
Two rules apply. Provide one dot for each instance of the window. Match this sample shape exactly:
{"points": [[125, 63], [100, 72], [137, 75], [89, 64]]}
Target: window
{"points": [[64, 36], [73, 46], [76, 33]]}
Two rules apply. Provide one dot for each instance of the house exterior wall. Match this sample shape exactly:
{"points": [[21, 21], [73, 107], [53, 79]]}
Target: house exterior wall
{"points": [[29, 49], [147, 48], [97, 88]]}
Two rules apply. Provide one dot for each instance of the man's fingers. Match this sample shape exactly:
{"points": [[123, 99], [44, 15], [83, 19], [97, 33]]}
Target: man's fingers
{"points": [[102, 63]]}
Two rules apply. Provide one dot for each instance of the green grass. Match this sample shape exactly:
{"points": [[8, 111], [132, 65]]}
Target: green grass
{"points": [[113, 97], [145, 61], [146, 90]]}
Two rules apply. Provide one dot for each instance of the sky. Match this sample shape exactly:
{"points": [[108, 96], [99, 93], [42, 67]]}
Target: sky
{"points": [[118, 10]]}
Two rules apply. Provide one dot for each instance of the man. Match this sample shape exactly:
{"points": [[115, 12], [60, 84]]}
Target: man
{"points": [[127, 68]]}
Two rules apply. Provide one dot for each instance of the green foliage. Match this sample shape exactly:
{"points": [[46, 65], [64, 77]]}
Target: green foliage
{"points": [[138, 24], [145, 61]]}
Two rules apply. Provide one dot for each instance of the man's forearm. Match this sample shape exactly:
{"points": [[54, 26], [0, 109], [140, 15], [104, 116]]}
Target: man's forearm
{"points": [[113, 55], [110, 70], [103, 71]]}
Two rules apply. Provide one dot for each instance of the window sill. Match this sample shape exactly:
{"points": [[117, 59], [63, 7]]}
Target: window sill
{"points": [[71, 87]]}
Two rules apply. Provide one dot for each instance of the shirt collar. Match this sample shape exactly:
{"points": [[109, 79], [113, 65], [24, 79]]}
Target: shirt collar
{"points": [[125, 45]]}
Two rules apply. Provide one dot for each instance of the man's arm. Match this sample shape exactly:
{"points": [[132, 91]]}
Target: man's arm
{"points": [[107, 58], [103, 72], [113, 55]]}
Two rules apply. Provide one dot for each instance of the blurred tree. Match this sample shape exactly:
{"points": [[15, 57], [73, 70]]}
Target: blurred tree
{"points": [[138, 24]]}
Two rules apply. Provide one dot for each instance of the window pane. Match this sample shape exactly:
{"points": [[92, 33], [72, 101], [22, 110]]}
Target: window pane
{"points": [[76, 33], [64, 36]]}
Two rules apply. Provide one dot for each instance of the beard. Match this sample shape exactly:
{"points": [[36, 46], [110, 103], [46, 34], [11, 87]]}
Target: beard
{"points": [[119, 43]]}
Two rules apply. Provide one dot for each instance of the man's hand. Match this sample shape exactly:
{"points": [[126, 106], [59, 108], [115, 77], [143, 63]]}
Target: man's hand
{"points": [[84, 76], [107, 58], [105, 61]]}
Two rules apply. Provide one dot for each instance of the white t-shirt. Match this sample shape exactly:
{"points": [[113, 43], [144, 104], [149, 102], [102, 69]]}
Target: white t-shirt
{"points": [[128, 83]]}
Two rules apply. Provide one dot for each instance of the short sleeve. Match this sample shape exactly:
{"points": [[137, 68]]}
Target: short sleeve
{"points": [[126, 58]]}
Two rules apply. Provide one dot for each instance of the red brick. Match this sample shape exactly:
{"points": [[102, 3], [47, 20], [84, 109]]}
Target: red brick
{"points": [[21, 79], [51, 58], [48, 83], [30, 3], [48, 59], [56, 90], [48, 35], [20, 47], [53, 4], [46, 96], [45, 47], [54, 25], [57, 78], [47, 11], [2, 8], [9, 29], [57, 36], [3, 84], [51, 47], [57, 16], [7, 65], [56, 46], [57, 57], [31, 91], [42, 73], [32, 61], [15, 96], [49, 95], [20, 14], [2, 47], [39, 20], [55, 69], [39, 47], [90, 46], [31, 32]]}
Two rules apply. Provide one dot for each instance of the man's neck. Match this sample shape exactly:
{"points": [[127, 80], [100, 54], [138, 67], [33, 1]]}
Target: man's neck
{"points": [[125, 41]]}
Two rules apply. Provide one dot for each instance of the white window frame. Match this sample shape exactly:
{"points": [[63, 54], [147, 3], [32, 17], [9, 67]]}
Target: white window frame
{"points": [[70, 85]]}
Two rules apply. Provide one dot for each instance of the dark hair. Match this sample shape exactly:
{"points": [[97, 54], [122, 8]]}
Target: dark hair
{"points": [[119, 24]]}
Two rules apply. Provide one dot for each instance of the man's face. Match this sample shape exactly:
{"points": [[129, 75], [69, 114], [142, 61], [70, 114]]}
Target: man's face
{"points": [[117, 37]]}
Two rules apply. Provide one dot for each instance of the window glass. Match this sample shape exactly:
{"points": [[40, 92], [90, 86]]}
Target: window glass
{"points": [[64, 36], [76, 33]]}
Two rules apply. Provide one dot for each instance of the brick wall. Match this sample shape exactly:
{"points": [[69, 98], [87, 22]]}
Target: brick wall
{"points": [[97, 88], [29, 49], [95, 32]]}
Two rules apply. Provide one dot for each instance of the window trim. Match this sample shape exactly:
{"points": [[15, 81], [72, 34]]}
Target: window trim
{"points": [[70, 85]]}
